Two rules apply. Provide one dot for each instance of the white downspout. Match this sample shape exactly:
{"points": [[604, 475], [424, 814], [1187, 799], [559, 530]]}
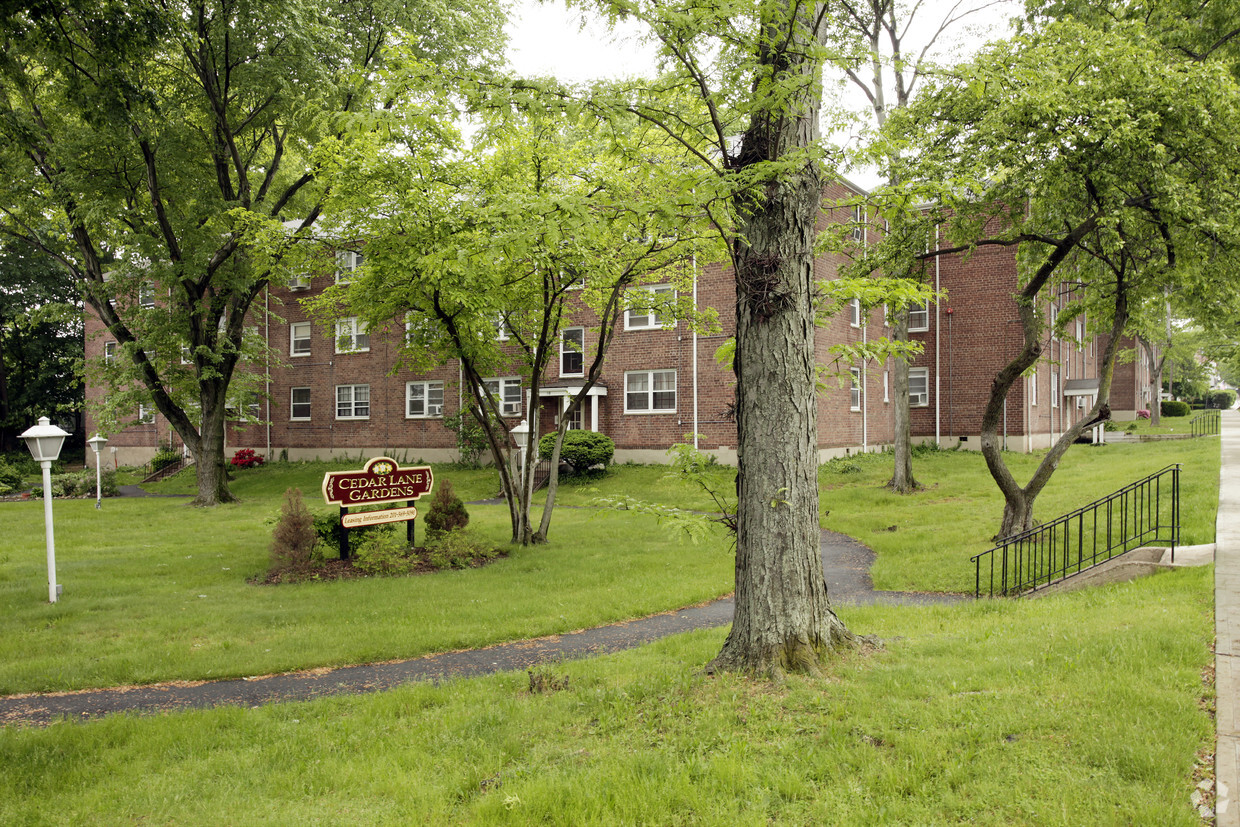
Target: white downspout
{"points": [[938, 374], [267, 348], [695, 354], [865, 363]]}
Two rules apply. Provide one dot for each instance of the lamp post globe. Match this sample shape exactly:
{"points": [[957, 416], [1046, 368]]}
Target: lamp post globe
{"points": [[44, 441]]}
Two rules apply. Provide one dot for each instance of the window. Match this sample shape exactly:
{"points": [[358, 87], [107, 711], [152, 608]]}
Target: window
{"points": [[572, 352], [858, 221], [919, 317], [501, 328], [418, 325], [347, 261], [187, 355], [574, 419], [299, 339], [507, 392], [1080, 334], [299, 405], [1054, 390], [854, 312], [649, 391], [1054, 321], [886, 386], [146, 294], [1033, 389], [423, 399], [854, 393], [648, 307], [146, 414], [918, 387], [353, 401], [109, 351], [351, 336], [299, 282]]}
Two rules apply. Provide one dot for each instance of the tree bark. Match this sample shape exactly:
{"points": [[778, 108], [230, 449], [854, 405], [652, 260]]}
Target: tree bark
{"points": [[783, 621]]}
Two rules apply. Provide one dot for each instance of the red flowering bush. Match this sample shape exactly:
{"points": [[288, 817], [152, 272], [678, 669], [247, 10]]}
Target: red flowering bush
{"points": [[246, 458], [1143, 414]]}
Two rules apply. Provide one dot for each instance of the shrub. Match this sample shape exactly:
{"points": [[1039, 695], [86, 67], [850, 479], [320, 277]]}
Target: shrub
{"points": [[446, 512], [165, 457], [383, 552], [10, 478], [457, 549], [1174, 407], [1222, 399], [294, 537], [246, 458], [471, 440], [582, 450]]}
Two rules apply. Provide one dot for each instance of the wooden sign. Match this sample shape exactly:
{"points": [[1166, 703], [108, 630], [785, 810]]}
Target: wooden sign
{"points": [[387, 515], [381, 480]]}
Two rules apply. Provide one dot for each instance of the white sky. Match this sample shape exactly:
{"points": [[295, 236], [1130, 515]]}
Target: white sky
{"points": [[548, 39]]}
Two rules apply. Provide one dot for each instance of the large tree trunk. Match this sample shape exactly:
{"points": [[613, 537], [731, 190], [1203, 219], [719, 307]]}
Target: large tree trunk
{"points": [[902, 481], [210, 465], [783, 620]]}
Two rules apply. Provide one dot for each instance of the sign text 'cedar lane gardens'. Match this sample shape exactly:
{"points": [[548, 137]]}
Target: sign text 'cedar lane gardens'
{"points": [[379, 481]]}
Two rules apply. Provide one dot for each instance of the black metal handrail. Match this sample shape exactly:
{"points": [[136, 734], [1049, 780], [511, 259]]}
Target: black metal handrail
{"points": [[1135, 515], [1206, 423]]}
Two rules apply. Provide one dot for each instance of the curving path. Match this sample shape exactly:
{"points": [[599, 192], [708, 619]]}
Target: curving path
{"points": [[846, 564]]}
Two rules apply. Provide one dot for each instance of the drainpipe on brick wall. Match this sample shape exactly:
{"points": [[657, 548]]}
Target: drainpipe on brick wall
{"points": [[695, 354], [938, 376], [865, 396]]}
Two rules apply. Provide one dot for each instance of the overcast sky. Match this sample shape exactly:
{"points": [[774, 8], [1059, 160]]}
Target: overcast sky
{"points": [[548, 39]]}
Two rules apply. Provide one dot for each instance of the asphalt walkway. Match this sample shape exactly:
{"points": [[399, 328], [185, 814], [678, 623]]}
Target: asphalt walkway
{"points": [[1227, 627], [846, 564]]}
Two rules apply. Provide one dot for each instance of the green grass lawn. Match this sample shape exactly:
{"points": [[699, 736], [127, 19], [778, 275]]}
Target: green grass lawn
{"points": [[1087, 708], [924, 540], [156, 590]]}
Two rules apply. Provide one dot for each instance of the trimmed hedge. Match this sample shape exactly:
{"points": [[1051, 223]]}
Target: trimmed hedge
{"points": [[582, 449], [1174, 407]]}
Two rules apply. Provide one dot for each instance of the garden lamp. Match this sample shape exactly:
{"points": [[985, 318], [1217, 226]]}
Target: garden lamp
{"points": [[96, 443], [521, 433], [44, 441]]}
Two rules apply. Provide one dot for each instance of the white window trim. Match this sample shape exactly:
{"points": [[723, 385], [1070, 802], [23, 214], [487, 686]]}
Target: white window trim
{"points": [[924, 309], [293, 338], [921, 400], [854, 391], [858, 231], [352, 329], [854, 312], [1033, 390], [146, 414], [347, 262], [886, 386], [565, 351], [429, 411], [653, 321], [146, 295], [506, 408], [292, 404], [109, 351], [353, 401], [301, 281], [650, 392], [1054, 390]]}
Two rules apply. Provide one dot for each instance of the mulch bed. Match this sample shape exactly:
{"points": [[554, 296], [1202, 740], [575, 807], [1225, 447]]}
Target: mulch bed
{"points": [[329, 570]]}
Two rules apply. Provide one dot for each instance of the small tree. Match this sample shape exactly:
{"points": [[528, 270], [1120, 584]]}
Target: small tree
{"points": [[294, 537], [447, 512]]}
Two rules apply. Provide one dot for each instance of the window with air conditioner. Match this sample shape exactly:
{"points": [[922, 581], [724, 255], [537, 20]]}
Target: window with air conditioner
{"points": [[423, 400], [918, 387]]}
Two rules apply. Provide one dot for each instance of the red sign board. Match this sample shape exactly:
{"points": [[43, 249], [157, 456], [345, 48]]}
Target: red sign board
{"points": [[380, 481]]}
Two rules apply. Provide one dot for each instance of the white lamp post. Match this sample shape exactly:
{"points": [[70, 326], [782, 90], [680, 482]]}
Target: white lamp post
{"points": [[521, 433], [44, 441], [96, 443]]}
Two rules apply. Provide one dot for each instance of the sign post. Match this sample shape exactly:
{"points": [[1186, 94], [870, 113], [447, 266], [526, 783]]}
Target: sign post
{"points": [[380, 482]]}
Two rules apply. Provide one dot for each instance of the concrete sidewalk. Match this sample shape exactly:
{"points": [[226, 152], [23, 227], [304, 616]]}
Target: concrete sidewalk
{"points": [[1227, 627]]}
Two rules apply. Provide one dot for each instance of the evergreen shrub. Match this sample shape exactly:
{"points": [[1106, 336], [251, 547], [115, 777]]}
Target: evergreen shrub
{"points": [[582, 450]]}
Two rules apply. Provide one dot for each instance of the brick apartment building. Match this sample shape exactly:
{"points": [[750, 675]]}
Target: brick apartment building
{"points": [[327, 397]]}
